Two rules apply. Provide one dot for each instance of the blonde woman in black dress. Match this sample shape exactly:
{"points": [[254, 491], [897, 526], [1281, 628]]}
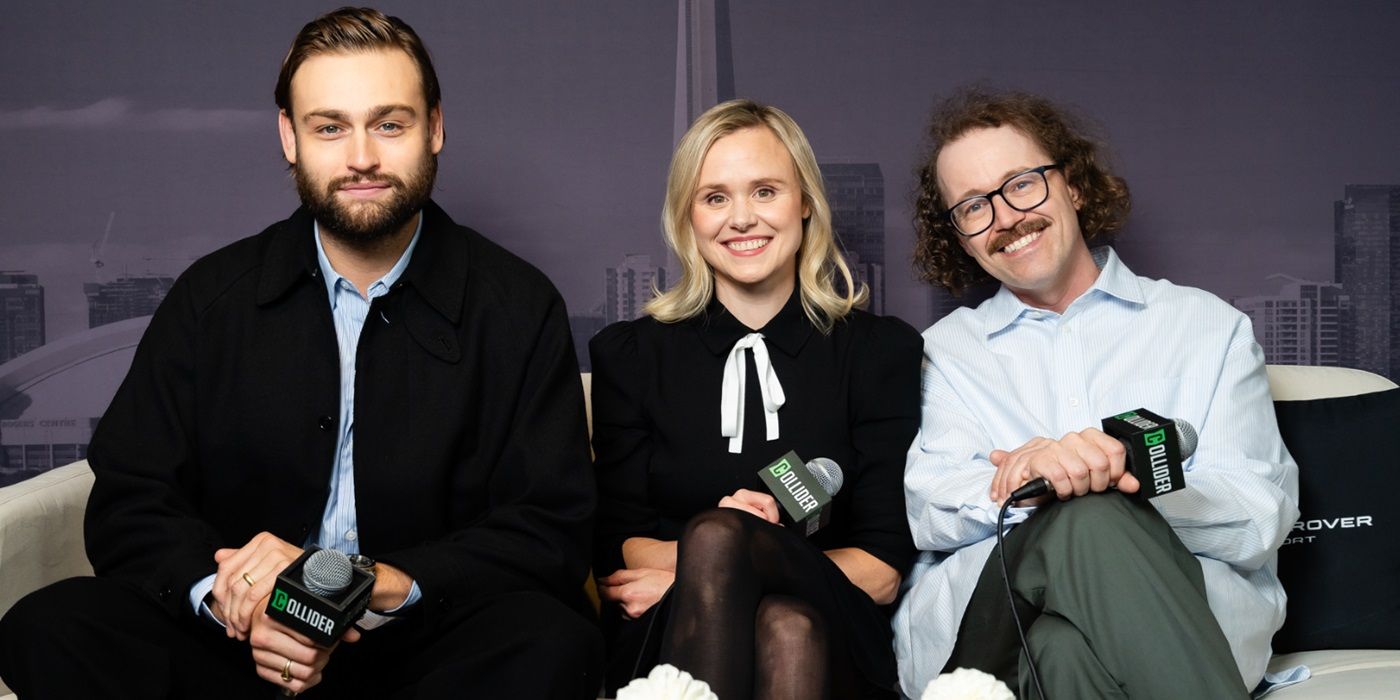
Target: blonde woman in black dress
{"points": [[757, 350]]}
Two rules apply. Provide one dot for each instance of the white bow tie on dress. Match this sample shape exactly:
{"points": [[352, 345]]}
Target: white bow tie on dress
{"points": [[731, 400]]}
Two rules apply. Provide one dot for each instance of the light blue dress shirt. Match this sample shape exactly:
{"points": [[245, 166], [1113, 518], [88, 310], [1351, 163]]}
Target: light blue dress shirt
{"points": [[338, 523], [1006, 372]]}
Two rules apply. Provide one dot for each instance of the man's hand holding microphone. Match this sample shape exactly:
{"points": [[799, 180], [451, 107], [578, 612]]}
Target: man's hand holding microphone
{"points": [[244, 587]]}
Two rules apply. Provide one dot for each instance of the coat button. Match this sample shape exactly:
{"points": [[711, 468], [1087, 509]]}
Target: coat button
{"points": [[326, 423], [165, 594]]}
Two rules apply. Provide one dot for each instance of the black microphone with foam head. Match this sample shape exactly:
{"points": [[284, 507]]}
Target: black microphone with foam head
{"points": [[1153, 453], [803, 490], [321, 595]]}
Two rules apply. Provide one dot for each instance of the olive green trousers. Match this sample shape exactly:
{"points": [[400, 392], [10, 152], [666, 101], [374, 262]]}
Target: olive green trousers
{"points": [[1113, 604]]}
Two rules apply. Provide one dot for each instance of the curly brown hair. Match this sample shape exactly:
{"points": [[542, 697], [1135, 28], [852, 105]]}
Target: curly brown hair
{"points": [[938, 257]]}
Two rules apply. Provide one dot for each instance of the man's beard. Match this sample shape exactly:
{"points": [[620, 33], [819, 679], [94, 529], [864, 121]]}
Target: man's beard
{"points": [[364, 223]]}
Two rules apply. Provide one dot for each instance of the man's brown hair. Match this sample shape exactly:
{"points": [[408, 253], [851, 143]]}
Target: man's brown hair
{"points": [[355, 29], [938, 256]]}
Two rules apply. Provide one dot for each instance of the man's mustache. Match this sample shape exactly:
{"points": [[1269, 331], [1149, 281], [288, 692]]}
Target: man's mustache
{"points": [[1025, 228], [380, 179]]}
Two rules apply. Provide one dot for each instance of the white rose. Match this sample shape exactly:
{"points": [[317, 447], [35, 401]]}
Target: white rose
{"points": [[666, 682], [965, 684]]}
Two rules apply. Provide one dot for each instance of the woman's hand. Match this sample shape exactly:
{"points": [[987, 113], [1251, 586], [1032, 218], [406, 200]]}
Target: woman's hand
{"points": [[648, 553], [879, 580], [759, 504], [636, 590]]}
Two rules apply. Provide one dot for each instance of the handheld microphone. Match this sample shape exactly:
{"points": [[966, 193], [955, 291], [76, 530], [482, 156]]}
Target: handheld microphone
{"points": [[1154, 454], [803, 490], [321, 595]]}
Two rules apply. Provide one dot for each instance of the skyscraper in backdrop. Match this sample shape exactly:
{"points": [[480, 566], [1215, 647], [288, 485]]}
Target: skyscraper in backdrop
{"points": [[1367, 260], [629, 287], [1302, 324], [21, 314], [856, 192], [126, 297]]}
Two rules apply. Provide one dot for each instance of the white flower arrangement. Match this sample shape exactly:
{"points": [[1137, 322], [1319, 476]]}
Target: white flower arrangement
{"points": [[666, 682], [965, 684]]}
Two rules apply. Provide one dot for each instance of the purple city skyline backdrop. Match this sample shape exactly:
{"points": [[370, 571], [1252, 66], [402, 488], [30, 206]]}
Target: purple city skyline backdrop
{"points": [[1238, 126]]}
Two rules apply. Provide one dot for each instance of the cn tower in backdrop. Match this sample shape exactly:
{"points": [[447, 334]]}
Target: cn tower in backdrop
{"points": [[704, 59]]}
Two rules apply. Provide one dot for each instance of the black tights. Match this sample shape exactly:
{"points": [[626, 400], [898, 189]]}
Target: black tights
{"points": [[752, 612]]}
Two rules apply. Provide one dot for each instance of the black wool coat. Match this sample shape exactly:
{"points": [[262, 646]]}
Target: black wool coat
{"points": [[471, 456]]}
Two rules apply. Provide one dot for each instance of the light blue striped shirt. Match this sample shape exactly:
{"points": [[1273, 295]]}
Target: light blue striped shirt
{"points": [[338, 524], [1006, 372]]}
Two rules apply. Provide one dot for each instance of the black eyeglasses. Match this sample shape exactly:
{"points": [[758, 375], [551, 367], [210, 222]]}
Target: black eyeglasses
{"points": [[1022, 192]]}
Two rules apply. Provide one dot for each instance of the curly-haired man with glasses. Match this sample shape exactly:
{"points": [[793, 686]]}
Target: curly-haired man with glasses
{"points": [[1120, 596]]}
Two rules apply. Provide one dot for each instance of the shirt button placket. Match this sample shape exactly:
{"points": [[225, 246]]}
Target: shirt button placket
{"points": [[1077, 375]]}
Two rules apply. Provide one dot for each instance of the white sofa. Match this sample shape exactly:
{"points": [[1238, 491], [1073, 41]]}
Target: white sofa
{"points": [[41, 541]]}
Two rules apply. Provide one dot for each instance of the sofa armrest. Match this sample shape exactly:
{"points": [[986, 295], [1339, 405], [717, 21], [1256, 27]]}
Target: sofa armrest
{"points": [[1301, 382], [41, 531]]}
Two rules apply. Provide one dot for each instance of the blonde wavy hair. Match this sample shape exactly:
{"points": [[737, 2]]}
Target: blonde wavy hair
{"points": [[819, 259]]}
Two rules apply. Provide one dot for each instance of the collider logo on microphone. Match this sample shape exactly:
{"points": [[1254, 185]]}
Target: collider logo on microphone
{"points": [[320, 595], [1153, 447], [793, 485], [801, 497]]}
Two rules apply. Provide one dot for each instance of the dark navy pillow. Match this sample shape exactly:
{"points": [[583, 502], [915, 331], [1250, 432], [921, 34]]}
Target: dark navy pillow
{"points": [[1341, 563]]}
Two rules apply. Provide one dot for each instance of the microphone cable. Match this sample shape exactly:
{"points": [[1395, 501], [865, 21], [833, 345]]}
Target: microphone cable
{"points": [[1011, 599]]}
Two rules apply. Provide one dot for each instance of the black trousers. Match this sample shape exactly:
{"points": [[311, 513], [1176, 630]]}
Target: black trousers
{"points": [[1113, 603], [98, 637]]}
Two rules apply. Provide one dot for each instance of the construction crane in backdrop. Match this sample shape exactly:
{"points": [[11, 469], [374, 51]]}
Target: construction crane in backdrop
{"points": [[100, 245]]}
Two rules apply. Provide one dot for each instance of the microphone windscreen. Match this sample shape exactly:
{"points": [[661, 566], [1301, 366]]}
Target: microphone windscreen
{"points": [[827, 473], [327, 572], [1186, 438]]}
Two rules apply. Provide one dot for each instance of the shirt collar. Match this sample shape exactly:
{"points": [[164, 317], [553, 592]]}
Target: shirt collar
{"points": [[1115, 281], [439, 270], [787, 331], [333, 278]]}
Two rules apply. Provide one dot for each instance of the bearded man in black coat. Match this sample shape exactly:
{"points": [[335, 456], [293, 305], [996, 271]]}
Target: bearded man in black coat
{"points": [[365, 376]]}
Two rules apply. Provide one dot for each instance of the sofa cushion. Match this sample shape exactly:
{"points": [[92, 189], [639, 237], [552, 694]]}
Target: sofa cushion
{"points": [[1339, 565], [1359, 674]]}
